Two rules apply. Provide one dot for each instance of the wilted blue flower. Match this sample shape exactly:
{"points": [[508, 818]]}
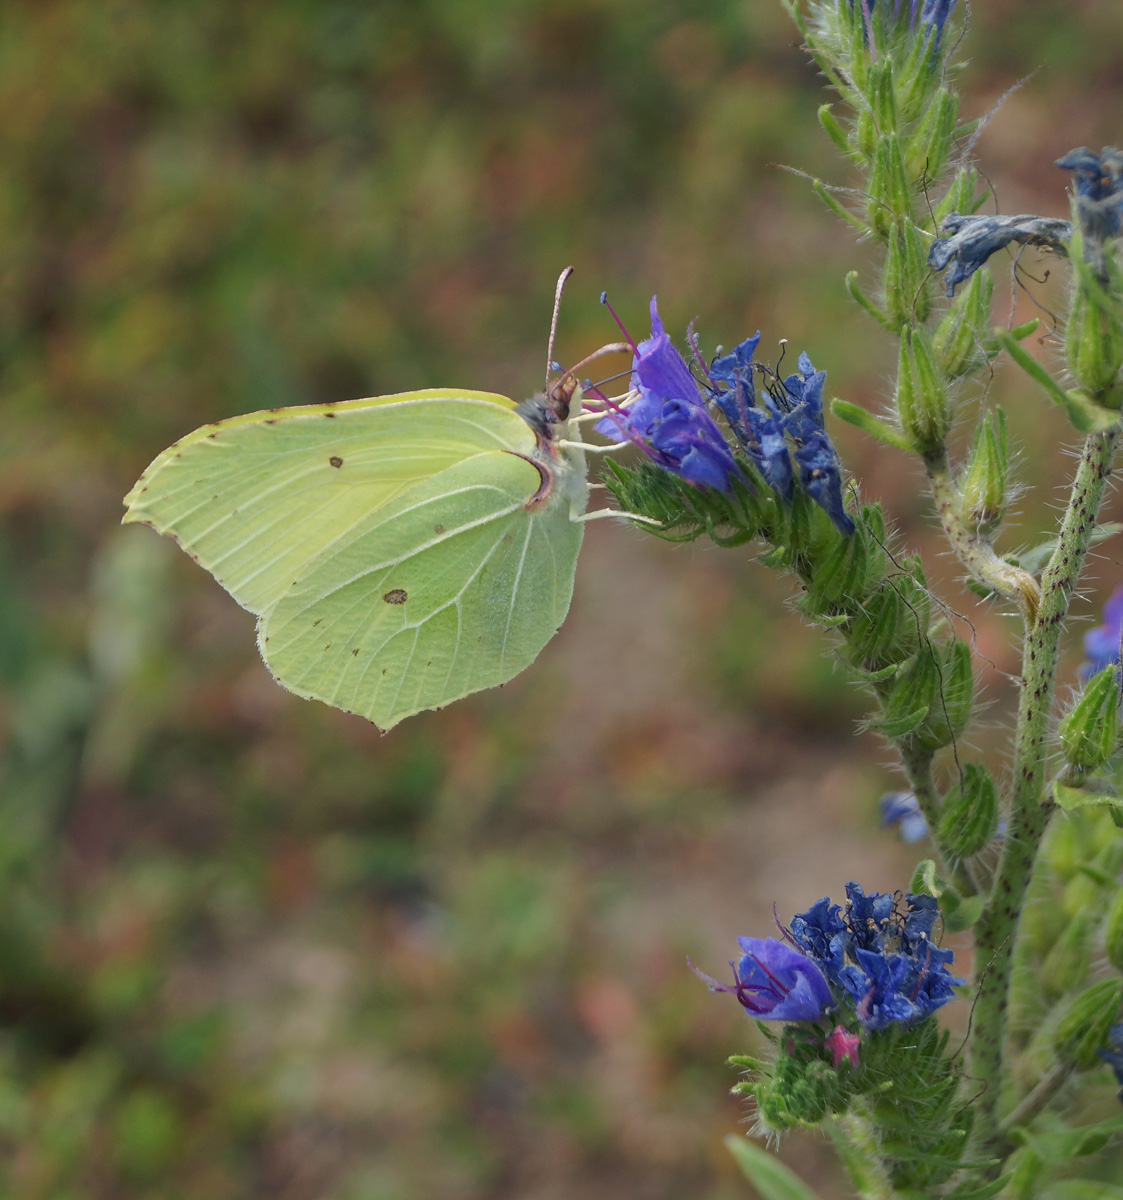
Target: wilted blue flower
{"points": [[970, 240], [774, 982], [1114, 1056], [880, 957], [1098, 179], [669, 419], [902, 810], [1101, 644]]}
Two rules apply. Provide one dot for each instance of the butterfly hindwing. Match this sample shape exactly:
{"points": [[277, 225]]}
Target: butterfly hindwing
{"points": [[453, 587]]}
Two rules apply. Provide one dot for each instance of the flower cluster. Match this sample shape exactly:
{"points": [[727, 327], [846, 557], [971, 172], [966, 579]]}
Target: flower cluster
{"points": [[879, 954], [933, 14], [670, 419], [876, 960], [788, 411], [901, 810]]}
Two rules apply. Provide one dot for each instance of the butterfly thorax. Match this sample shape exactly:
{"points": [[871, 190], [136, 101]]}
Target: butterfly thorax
{"points": [[563, 467]]}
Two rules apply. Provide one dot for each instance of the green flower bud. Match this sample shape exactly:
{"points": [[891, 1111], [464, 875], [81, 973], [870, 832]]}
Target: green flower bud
{"points": [[953, 699], [1113, 932], [1093, 342], [970, 815], [1066, 965], [930, 142], [906, 277], [922, 399], [1083, 1028], [958, 340], [911, 696], [982, 490], [1090, 732]]}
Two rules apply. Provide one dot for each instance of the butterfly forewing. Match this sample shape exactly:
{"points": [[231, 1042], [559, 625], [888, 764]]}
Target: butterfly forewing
{"points": [[255, 498], [453, 587]]}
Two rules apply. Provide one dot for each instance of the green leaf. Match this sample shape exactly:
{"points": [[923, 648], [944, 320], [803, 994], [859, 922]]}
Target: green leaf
{"points": [[853, 414], [1088, 416], [1093, 793], [766, 1172], [1083, 1189], [1032, 367]]}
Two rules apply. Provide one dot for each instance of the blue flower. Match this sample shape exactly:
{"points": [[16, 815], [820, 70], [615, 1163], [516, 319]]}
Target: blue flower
{"points": [[902, 810], [774, 982], [1098, 179], [880, 957], [1114, 1056], [1101, 645], [970, 241], [933, 15], [669, 418], [791, 412]]}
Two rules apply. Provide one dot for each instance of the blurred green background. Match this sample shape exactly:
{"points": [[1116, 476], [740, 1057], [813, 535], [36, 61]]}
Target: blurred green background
{"points": [[248, 948]]}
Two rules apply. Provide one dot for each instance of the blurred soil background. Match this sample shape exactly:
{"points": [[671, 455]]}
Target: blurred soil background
{"points": [[249, 948]]}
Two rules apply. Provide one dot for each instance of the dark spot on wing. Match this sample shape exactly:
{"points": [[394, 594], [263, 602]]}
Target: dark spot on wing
{"points": [[355, 652], [211, 435], [396, 596], [328, 646], [335, 460], [438, 529], [270, 420], [329, 414], [316, 622]]}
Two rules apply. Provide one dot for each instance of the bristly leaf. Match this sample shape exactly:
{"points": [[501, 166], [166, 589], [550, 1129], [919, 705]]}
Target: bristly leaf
{"points": [[767, 1173]]}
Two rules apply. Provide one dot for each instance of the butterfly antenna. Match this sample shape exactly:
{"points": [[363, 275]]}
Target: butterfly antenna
{"points": [[562, 278]]}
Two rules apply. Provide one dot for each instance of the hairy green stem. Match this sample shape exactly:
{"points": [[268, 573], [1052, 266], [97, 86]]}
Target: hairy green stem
{"points": [[1031, 804], [854, 1139], [975, 551]]}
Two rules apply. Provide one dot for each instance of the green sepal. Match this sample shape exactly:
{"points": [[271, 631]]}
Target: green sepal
{"points": [[1087, 414], [879, 676], [922, 400], [908, 281], [1066, 965], [1083, 1028], [863, 301], [962, 197], [876, 427], [1093, 341], [766, 1172], [746, 1062], [958, 341], [964, 915], [837, 134], [925, 881], [1057, 1147], [900, 726], [847, 575], [1113, 932], [980, 1191], [837, 207], [982, 488], [970, 815], [888, 628], [1089, 733], [928, 146], [1091, 793], [952, 699]]}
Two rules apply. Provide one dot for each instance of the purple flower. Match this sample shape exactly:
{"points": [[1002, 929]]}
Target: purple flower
{"points": [[902, 810], [1101, 644], [669, 419], [774, 982], [969, 241]]}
